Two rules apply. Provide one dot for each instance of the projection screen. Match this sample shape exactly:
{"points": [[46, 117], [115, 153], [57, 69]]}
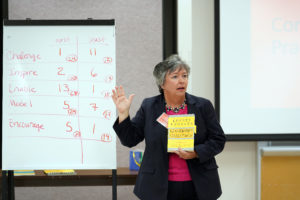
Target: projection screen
{"points": [[258, 69]]}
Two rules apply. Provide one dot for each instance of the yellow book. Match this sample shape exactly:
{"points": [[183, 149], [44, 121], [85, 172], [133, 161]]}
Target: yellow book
{"points": [[181, 129], [60, 172]]}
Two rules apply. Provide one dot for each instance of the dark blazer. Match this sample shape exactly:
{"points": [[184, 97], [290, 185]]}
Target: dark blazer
{"points": [[152, 179]]}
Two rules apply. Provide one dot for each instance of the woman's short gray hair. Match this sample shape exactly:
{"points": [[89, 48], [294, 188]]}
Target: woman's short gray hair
{"points": [[169, 65]]}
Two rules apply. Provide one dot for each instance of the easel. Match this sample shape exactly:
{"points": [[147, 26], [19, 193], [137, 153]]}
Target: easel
{"points": [[8, 187]]}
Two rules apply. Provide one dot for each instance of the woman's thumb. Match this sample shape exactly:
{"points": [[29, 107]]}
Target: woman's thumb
{"points": [[131, 98]]}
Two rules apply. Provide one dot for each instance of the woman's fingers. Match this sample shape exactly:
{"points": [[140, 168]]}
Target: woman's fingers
{"points": [[114, 96], [185, 154], [117, 91], [118, 95], [121, 91]]}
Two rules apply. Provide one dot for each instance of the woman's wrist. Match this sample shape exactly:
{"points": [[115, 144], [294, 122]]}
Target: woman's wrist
{"points": [[123, 116]]}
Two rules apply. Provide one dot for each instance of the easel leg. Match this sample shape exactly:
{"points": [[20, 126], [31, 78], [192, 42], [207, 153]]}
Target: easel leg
{"points": [[114, 184], [11, 185], [4, 185]]}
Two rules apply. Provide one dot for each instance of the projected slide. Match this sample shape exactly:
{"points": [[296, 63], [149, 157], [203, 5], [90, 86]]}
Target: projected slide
{"points": [[275, 54], [260, 67]]}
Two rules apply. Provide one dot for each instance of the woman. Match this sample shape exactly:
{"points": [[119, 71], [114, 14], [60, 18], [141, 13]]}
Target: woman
{"points": [[182, 174]]}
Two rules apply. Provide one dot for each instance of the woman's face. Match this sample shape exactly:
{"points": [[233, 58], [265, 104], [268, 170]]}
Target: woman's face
{"points": [[176, 82]]}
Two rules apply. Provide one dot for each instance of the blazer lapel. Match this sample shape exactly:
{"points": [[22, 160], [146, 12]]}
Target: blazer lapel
{"points": [[190, 104], [158, 110]]}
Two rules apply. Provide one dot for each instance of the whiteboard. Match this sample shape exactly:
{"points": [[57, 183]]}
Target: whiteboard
{"points": [[57, 109]]}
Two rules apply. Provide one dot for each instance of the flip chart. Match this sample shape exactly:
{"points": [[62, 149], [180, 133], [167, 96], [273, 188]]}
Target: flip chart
{"points": [[57, 107]]}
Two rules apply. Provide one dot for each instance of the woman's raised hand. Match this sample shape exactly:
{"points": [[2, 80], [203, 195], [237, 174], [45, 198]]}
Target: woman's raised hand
{"points": [[122, 102]]}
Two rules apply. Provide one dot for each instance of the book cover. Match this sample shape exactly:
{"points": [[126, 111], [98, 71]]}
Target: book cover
{"points": [[24, 173], [181, 130], [60, 172]]}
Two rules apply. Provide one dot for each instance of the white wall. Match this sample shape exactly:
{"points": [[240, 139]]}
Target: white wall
{"points": [[238, 171], [238, 162]]}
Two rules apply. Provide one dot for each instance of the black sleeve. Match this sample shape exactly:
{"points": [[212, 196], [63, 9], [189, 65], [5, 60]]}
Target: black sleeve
{"points": [[131, 132]]}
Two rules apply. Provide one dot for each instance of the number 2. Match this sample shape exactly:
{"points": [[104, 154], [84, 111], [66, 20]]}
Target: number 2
{"points": [[60, 71]]}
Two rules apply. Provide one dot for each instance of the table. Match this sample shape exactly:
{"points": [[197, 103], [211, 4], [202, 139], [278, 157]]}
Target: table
{"points": [[83, 178]]}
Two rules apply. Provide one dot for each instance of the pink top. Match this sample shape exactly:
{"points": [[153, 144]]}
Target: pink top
{"points": [[178, 169]]}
